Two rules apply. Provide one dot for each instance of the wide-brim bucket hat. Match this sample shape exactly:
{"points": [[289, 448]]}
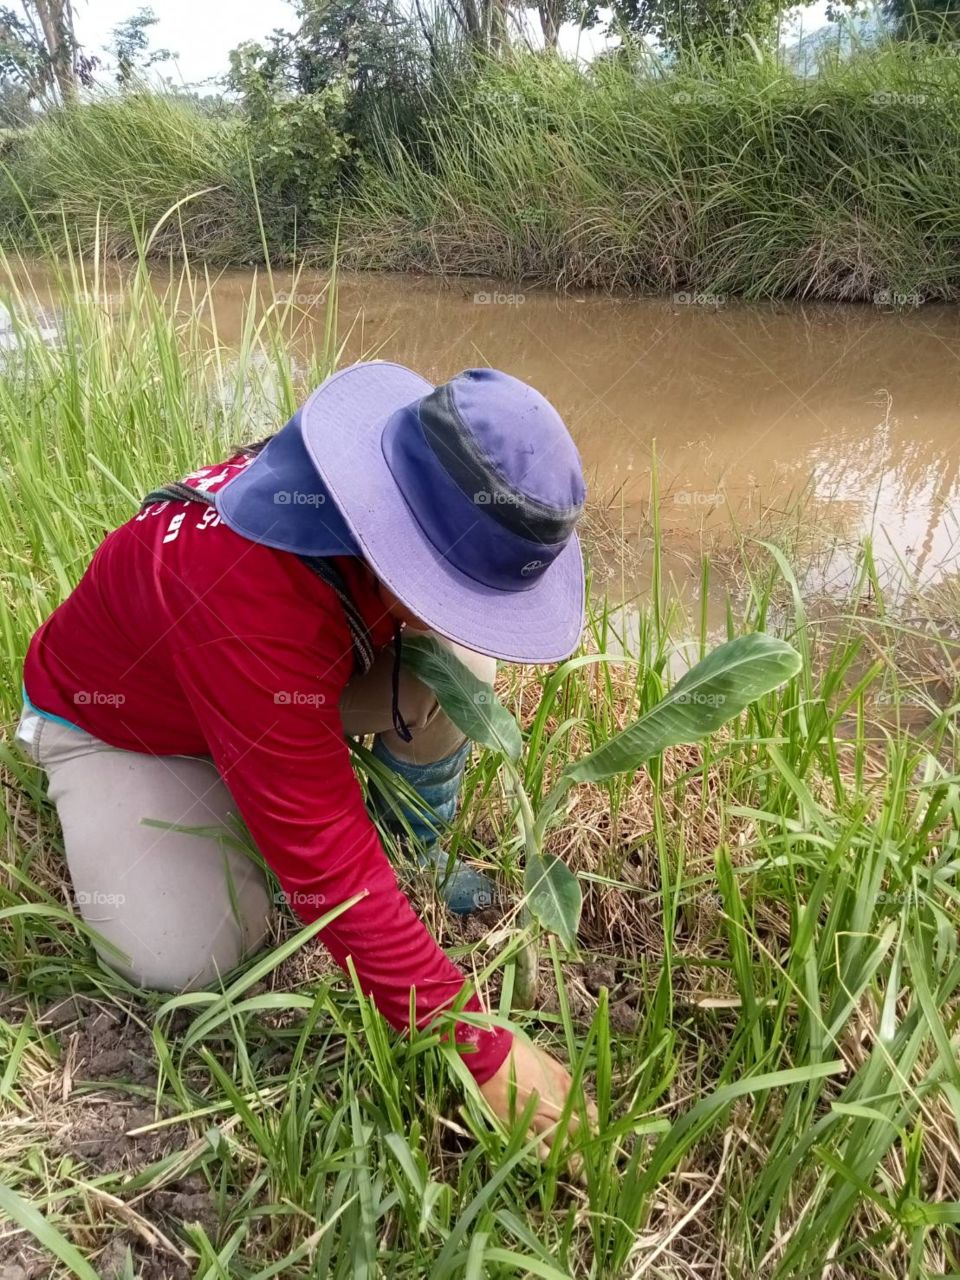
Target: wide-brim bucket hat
{"points": [[462, 498]]}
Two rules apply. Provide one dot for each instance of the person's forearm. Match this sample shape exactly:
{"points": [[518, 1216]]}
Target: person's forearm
{"points": [[392, 953]]}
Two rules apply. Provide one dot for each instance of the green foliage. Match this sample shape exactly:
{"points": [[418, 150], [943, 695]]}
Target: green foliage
{"points": [[297, 147], [117, 163], [15, 108], [314, 99], [719, 175], [24, 61], [718, 688], [367, 56], [714, 177], [684, 26], [928, 20], [29, 1218], [713, 692], [39, 50], [130, 46], [471, 704], [554, 898]]}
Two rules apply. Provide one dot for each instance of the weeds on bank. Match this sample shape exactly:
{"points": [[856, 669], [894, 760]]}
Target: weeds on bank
{"points": [[705, 178], [763, 1003]]}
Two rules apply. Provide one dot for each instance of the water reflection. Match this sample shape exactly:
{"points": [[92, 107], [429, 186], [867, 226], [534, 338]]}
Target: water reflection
{"points": [[750, 408]]}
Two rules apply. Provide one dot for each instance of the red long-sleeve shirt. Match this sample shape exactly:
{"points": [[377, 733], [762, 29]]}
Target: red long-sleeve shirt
{"points": [[183, 638]]}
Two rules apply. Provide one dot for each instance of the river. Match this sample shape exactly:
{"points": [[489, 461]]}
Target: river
{"points": [[816, 425]]}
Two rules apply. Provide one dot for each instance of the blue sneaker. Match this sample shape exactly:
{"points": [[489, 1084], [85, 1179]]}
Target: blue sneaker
{"points": [[462, 888], [438, 784]]}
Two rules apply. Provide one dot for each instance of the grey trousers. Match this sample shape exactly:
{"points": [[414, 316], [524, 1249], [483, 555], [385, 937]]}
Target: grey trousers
{"points": [[182, 907]]}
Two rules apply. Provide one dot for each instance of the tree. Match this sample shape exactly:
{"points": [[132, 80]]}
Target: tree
{"points": [[39, 50], [931, 20], [367, 55], [362, 44], [15, 110], [554, 13], [131, 47], [699, 24], [22, 56], [482, 22], [56, 23]]}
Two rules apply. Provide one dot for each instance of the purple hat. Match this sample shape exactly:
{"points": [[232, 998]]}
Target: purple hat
{"points": [[462, 498]]}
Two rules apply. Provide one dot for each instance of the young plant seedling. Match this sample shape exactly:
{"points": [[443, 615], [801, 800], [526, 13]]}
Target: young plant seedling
{"points": [[716, 690]]}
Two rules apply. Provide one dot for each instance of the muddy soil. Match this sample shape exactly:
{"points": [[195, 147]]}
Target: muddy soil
{"points": [[104, 1094]]}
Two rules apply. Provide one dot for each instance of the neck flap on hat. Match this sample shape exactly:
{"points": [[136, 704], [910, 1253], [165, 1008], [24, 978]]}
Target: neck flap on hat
{"points": [[280, 501]]}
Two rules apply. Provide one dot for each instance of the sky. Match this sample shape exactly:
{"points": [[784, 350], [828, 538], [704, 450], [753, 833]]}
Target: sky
{"points": [[202, 32]]}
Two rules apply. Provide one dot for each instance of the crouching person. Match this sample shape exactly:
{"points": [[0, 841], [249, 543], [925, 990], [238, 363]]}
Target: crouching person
{"points": [[223, 642]]}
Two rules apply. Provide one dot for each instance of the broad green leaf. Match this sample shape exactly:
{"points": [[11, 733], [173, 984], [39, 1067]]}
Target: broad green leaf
{"points": [[712, 692], [554, 897], [471, 704]]}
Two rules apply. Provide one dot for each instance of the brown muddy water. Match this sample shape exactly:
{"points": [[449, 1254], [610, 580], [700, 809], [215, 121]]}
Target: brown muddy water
{"points": [[820, 425], [813, 425]]}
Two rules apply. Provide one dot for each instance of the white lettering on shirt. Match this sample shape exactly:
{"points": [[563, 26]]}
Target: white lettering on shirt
{"points": [[173, 528]]}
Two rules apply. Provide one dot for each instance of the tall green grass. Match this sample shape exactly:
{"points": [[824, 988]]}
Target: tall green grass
{"points": [[732, 177], [765, 1003], [110, 169]]}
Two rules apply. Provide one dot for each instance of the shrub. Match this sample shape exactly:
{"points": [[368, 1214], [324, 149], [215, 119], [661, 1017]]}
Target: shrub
{"points": [[116, 165], [736, 176]]}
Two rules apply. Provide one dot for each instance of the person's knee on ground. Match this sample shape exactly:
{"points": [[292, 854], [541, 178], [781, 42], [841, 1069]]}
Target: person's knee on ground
{"points": [[201, 961], [176, 908]]}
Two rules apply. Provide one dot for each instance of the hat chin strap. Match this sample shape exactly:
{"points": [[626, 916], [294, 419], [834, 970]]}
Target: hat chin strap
{"points": [[399, 724]]}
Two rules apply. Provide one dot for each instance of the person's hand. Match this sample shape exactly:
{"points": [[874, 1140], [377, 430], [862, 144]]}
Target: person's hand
{"points": [[527, 1070]]}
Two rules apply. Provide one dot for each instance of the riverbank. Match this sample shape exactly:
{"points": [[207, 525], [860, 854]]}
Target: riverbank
{"points": [[710, 182], [765, 988]]}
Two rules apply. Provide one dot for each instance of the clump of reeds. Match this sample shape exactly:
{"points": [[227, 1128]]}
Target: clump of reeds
{"points": [[107, 171], [714, 178]]}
